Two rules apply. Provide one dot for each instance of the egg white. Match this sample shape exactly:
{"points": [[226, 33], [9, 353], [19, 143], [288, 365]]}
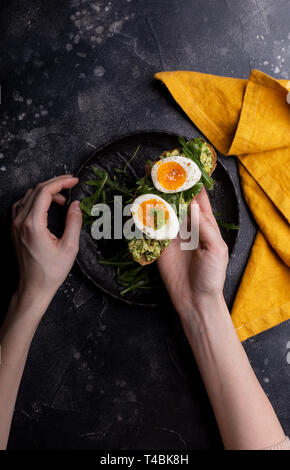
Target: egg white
{"points": [[193, 173], [168, 231]]}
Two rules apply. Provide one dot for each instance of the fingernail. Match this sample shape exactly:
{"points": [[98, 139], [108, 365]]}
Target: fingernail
{"points": [[76, 206]]}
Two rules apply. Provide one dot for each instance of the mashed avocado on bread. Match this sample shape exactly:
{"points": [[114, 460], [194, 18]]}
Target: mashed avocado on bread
{"points": [[147, 250], [206, 158]]}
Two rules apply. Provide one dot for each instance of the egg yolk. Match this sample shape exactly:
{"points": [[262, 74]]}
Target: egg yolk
{"points": [[171, 175], [153, 213]]}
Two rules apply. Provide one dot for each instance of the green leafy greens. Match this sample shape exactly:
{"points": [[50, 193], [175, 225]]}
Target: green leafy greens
{"points": [[131, 275], [124, 171], [88, 202], [193, 149], [228, 225]]}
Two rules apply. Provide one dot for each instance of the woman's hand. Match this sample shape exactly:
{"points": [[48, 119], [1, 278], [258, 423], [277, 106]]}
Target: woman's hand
{"points": [[193, 278], [44, 260]]}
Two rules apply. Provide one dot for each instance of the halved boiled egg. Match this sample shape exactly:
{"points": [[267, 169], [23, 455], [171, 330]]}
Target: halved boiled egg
{"points": [[155, 217], [174, 174]]}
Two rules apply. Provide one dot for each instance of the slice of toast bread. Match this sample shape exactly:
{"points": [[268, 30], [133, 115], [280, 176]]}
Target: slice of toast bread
{"points": [[213, 158], [143, 259]]}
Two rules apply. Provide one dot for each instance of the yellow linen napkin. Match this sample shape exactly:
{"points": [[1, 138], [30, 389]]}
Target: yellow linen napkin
{"points": [[250, 119]]}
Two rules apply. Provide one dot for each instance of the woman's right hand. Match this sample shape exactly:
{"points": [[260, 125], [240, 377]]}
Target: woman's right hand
{"points": [[44, 260], [196, 277]]}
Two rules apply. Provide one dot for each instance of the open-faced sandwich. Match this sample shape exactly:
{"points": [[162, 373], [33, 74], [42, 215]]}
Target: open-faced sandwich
{"points": [[171, 181]]}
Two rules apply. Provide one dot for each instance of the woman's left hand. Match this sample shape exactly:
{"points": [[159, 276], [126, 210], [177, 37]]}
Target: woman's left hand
{"points": [[44, 260]]}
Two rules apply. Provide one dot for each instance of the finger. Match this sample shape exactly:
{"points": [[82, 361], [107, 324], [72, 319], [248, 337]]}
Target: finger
{"points": [[18, 205], [32, 193], [209, 237], [51, 180], [203, 200], [204, 203], [44, 197], [59, 199], [73, 225], [26, 195]]}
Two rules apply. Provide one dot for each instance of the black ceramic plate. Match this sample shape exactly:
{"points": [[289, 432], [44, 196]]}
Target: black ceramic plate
{"points": [[115, 155]]}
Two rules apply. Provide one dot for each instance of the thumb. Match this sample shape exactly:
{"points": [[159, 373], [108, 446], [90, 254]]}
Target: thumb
{"points": [[73, 225]]}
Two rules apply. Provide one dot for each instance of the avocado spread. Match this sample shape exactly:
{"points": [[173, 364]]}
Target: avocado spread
{"points": [[172, 153], [206, 158], [205, 154], [147, 248]]}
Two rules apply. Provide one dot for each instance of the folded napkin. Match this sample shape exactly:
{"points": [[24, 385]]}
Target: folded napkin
{"points": [[250, 119]]}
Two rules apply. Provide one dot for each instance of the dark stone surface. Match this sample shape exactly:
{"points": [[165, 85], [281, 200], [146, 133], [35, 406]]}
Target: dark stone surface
{"points": [[75, 74]]}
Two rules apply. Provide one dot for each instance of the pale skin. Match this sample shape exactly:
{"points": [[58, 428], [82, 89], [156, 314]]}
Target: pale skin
{"points": [[243, 412]]}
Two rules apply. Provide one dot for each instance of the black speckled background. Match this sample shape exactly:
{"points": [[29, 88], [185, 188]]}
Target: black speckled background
{"points": [[74, 75]]}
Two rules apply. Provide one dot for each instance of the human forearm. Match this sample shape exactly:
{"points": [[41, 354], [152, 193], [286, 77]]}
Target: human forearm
{"points": [[195, 280], [44, 262], [243, 412], [16, 334]]}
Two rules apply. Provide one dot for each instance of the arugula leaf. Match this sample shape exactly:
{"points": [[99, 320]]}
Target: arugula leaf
{"points": [[142, 277], [145, 185], [99, 173], [189, 194], [87, 203], [228, 226], [92, 182], [191, 152], [130, 274], [117, 187], [132, 158], [124, 171], [118, 264]]}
